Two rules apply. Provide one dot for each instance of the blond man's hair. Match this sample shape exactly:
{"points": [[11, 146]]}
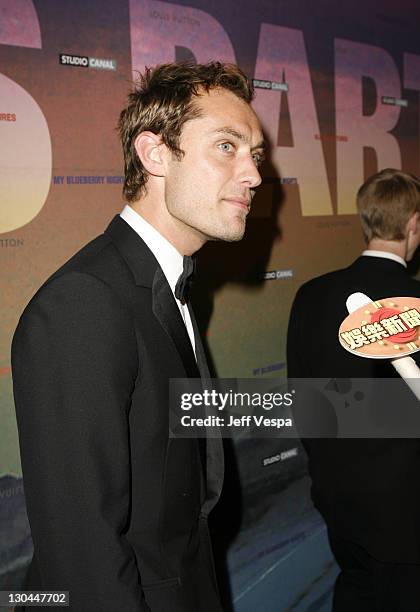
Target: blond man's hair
{"points": [[386, 202], [163, 100]]}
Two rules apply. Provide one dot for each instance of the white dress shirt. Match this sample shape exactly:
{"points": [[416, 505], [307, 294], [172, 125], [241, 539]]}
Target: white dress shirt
{"points": [[169, 259], [385, 255]]}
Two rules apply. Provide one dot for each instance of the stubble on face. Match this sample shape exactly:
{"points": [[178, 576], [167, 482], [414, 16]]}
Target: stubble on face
{"points": [[208, 191]]}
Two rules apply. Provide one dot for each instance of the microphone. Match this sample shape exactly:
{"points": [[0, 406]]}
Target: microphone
{"points": [[405, 366]]}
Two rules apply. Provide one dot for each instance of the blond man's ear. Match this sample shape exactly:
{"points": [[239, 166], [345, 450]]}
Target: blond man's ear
{"points": [[413, 224], [150, 149]]}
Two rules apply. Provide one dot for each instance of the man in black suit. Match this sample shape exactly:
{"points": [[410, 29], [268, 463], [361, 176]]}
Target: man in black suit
{"points": [[367, 490], [118, 510]]}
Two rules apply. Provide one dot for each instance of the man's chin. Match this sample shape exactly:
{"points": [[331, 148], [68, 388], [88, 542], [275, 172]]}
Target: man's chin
{"points": [[232, 230], [234, 234], [226, 238]]}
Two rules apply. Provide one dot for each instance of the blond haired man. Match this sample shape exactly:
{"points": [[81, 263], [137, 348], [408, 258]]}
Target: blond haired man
{"points": [[118, 510], [367, 490]]}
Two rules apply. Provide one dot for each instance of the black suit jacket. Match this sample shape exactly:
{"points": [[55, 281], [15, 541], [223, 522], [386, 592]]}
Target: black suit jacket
{"points": [[117, 509], [368, 491]]}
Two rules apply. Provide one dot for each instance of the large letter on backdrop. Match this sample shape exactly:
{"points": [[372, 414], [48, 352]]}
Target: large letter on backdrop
{"points": [[282, 50], [25, 152], [352, 62], [412, 75], [158, 27], [19, 24]]}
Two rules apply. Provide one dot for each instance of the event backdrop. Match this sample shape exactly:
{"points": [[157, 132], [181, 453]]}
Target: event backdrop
{"points": [[337, 92]]}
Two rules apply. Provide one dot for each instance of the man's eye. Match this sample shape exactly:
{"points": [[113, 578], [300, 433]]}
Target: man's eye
{"points": [[258, 158], [226, 147]]}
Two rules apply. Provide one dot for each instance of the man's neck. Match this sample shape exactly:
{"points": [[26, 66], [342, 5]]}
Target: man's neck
{"points": [[185, 239], [397, 247]]}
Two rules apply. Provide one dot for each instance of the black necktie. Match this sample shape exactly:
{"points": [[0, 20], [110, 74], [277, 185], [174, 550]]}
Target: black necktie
{"points": [[184, 282]]}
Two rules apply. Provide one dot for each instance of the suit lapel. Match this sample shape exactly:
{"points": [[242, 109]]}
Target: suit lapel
{"points": [[147, 273], [167, 313], [214, 446]]}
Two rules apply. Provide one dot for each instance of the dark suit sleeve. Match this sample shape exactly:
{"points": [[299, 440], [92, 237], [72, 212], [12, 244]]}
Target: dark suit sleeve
{"points": [[297, 366], [74, 359]]}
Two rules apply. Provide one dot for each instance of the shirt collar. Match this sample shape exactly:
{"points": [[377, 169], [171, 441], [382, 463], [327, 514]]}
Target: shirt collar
{"points": [[169, 259], [385, 255]]}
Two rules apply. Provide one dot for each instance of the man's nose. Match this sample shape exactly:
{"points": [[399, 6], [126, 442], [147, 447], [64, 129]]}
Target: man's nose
{"points": [[250, 175]]}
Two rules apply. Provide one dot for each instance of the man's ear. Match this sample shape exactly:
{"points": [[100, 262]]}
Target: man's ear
{"points": [[413, 224], [149, 148]]}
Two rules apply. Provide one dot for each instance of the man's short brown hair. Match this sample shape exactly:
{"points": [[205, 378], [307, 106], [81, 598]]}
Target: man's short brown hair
{"points": [[386, 202], [163, 101]]}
